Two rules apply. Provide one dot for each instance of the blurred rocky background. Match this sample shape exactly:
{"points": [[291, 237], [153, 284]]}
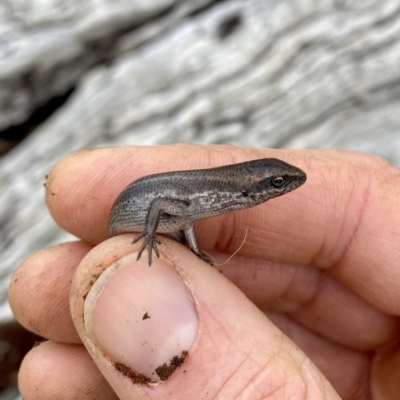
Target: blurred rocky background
{"points": [[264, 73]]}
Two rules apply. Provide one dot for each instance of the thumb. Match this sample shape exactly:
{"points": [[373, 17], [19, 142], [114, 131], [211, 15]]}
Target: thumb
{"points": [[179, 329]]}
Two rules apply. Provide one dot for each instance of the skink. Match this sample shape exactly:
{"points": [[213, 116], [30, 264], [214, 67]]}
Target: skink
{"points": [[172, 202]]}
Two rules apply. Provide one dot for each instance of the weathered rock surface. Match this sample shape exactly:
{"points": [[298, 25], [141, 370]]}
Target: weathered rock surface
{"points": [[291, 73], [46, 45]]}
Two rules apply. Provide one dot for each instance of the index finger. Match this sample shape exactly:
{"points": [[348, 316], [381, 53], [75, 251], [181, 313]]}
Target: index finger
{"points": [[344, 219]]}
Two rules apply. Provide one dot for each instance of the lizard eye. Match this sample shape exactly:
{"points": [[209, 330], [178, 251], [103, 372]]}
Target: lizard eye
{"points": [[277, 181]]}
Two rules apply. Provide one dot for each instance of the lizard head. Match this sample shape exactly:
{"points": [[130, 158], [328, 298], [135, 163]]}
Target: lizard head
{"points": [[269, 177]]}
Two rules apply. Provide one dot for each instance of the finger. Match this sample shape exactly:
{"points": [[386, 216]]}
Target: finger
{"points": [[308, 295], [87, 183], [345, 368], [189, 327], [314, 299], [334, 222], [39, 291], [62, 371]]}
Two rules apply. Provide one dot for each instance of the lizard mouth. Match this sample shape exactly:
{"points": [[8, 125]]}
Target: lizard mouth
{"points": [[293, 183], [298, 180]]}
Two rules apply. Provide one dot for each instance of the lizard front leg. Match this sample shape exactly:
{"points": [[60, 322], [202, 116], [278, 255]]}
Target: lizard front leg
{"points": [[157, 207]]}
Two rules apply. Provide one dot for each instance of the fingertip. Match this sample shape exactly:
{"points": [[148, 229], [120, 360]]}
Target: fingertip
{"points": [[75, 193], [60, 371], [39, 291], [178, 314]]}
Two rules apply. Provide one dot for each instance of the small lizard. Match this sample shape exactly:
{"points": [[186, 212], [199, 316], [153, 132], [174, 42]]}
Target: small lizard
{"points": [[172, 202]]}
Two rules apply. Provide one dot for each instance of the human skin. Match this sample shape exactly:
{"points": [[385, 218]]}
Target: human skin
{"points": [[308, 309]]}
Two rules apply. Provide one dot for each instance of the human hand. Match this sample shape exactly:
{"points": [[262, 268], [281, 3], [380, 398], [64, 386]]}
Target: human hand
{"points": [[319, 266]]}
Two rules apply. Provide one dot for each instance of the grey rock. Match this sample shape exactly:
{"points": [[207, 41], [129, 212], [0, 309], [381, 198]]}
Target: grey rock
{"points": [[46, 45]]}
